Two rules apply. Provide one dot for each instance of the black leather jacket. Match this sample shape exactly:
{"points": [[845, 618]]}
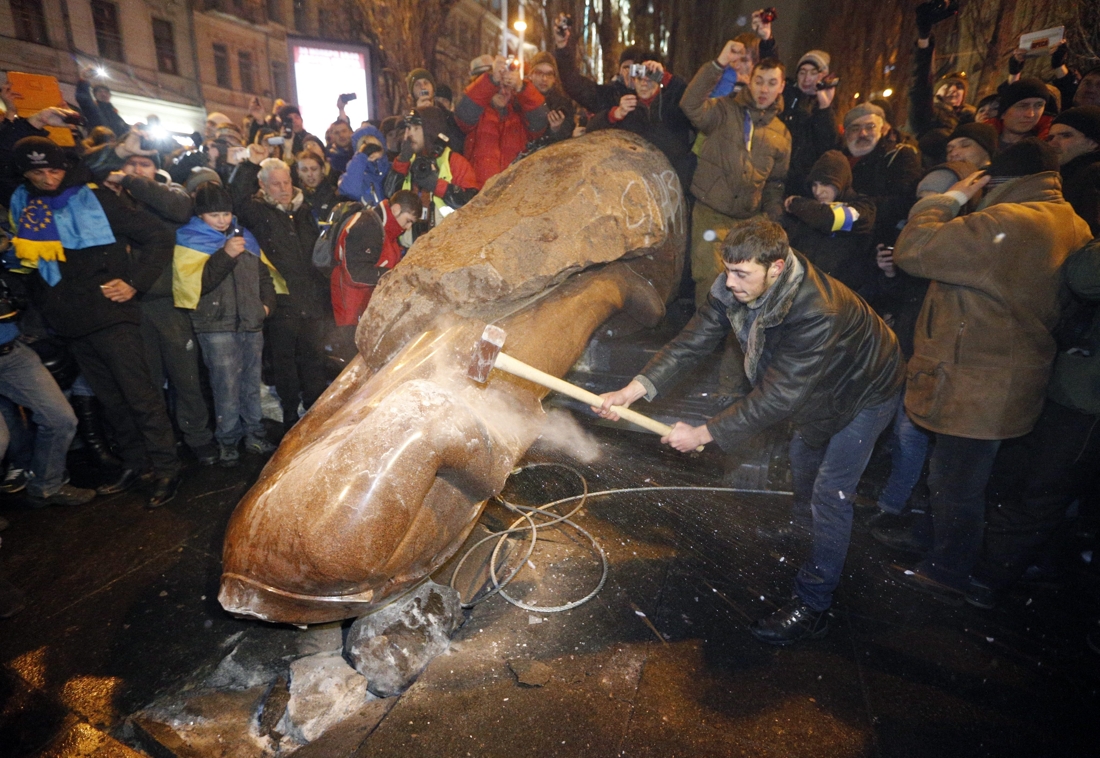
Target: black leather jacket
{"points": [[821, 364]]}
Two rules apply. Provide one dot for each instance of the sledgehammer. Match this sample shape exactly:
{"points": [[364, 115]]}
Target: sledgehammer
{"points": [[488, 355]]}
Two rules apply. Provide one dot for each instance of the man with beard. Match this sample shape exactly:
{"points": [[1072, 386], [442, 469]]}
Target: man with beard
{"points": [[888, 177]]}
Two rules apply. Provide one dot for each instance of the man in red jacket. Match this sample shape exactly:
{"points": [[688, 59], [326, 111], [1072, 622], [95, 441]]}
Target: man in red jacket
{"points": [[500, 114]]}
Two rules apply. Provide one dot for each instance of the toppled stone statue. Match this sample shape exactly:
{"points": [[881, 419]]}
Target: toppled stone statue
{"points": [[381, 482]]}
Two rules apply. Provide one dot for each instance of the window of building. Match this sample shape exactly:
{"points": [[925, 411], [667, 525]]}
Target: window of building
{"points": [[244, 67], [301, 16], [221, 66], [165, 42], [278, 79], [108, 35], [30, 21], [275, 11]]}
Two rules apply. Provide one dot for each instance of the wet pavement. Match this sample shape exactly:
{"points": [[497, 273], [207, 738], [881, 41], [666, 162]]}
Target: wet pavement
{"points": [[122, 611]]}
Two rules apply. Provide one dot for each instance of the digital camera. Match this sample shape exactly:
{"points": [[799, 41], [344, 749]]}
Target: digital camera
{"points": [[639, 71]]}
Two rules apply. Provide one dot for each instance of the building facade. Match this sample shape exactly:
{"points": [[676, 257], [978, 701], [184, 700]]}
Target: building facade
{"points": [[182, 59]]}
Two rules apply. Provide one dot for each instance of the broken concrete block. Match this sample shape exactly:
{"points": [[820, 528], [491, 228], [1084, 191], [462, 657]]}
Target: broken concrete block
{"points": [[392, 646], [324, 690]]}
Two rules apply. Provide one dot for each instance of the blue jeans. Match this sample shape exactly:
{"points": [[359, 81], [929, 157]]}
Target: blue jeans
{"points": [[20, 439], [26, 382], [826, 477], [234, 360], [906, 462], [958, 474]]}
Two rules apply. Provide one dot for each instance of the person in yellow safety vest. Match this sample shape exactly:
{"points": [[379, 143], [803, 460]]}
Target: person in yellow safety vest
{"points": [[442, 178]]}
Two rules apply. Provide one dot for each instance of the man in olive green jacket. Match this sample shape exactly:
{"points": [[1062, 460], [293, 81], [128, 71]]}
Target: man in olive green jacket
{"points": [[743, 162], [983, 347]]}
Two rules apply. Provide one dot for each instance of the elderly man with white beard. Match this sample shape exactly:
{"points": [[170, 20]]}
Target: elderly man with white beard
{"points": [[887, 176]]}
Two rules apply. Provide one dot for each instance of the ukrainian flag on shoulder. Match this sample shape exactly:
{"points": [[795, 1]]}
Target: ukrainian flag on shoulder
{"points": [[196, 241]]}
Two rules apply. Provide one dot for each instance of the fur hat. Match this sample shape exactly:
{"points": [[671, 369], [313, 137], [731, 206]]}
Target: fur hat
{"points": [[212, 198], [1026, 157], [942, 177], [861, 110], [818, 58], [38, 152], [1025, 88], [1083, 118], [984, 134], [832, 168]]}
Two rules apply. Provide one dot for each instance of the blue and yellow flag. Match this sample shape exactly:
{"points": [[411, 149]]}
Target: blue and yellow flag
{"points": [[196, 241], [46, 226]]}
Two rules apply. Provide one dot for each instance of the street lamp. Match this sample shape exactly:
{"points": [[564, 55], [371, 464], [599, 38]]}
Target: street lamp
{"points": [[887, 92]]}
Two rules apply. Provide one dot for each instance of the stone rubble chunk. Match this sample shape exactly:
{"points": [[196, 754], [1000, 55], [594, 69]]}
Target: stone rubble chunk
{"points": [[531, 673], [391, 646], [324, 691]]}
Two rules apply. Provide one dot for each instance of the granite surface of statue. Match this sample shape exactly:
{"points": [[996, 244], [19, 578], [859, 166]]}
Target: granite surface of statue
{"points": [[384, 478]]}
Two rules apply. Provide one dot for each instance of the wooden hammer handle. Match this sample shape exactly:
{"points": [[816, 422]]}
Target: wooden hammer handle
{"points": [[507, 363]]}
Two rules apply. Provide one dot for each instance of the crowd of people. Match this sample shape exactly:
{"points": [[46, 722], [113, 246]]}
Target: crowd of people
{"points": [[935, 278]]}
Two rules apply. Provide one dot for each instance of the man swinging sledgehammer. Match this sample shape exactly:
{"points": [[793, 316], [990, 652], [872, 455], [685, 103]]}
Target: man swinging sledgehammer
{"points": [[815, 353]]}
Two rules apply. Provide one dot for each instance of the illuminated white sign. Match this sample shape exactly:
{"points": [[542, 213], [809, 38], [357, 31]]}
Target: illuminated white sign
{"points": [[321, 75]]}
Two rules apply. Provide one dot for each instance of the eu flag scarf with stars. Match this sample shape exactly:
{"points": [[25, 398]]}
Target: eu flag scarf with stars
{"points": [[47, 225]]}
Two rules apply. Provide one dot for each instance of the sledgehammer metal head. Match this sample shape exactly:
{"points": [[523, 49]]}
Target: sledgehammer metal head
{"points": [[485, 353]]}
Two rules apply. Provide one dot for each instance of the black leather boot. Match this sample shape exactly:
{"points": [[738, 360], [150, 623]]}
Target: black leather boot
{"points": [[793, 622], [90, 428]]}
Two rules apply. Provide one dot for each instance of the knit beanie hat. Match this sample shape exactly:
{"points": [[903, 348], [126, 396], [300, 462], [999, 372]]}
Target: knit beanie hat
{"points": [[444, 92], [1026, 157], [212, 198], [37, 152], [832, 168], [1083, 118], [416, 75], [481, 64], [199, 176], [984, 134], [544, 57], [1023, 89], [818, 58], [861, 110], [942, 177]]}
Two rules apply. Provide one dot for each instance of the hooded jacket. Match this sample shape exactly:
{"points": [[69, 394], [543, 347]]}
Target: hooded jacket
{"points": [[364, 178], [817, 355], [835, 237], [743, 163], [983, 347]]}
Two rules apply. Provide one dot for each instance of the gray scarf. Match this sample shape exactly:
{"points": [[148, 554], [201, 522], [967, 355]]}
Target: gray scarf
{"points": [[750, 320]]}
